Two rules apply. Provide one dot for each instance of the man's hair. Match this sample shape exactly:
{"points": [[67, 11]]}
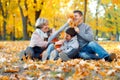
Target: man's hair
{"points": [[78, 11], [71, 32]]}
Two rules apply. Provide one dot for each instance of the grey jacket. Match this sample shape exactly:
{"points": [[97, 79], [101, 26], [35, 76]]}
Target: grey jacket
{"points": [[70, 45]]}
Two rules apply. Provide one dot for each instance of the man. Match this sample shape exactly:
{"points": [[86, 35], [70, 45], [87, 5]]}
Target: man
{"points": [[89, 49]]}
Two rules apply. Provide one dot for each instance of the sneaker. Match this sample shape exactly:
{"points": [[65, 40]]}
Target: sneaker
{"points": [[29, 52], [21, 54], [112, 57], [64, 57]]}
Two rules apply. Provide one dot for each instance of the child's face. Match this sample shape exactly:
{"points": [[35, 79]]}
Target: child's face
{"points": [[68, 37]]}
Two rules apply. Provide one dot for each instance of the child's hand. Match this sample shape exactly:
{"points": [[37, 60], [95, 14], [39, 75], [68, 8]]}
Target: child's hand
{"points": [[59, 42], [58, 49]]}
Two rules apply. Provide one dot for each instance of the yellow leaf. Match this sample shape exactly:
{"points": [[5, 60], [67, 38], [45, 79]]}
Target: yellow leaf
{"points": [[102, 73]]}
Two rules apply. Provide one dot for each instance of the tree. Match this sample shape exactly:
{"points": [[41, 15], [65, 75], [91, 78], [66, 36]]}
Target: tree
{"points": [[4, 11], [85, 9]]}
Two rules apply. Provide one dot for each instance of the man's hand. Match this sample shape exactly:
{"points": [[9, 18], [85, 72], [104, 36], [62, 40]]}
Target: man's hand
{"points": [[69, 20], [77, 29]]}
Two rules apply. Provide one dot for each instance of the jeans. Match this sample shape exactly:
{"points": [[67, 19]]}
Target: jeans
{"points": [[71, 54], [37, 51], [50, 48], [91, 49], [54, 55]]}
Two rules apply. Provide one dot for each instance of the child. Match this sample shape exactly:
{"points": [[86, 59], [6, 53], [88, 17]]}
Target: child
{"points": [[69, 48]]}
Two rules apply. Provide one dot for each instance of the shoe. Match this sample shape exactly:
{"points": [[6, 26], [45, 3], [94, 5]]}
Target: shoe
{"points": [[111, 57], [29, 52], [21, 54]]}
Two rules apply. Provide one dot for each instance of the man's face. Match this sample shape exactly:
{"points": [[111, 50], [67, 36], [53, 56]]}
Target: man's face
{"points": [[68, 37], [78, 17]]}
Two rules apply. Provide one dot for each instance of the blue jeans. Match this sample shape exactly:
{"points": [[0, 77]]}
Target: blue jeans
{"points": [[71, 54], [91, 49], [50, 48]]}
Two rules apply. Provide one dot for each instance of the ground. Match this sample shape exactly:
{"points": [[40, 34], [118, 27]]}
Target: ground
{"points": [[11, 68]]}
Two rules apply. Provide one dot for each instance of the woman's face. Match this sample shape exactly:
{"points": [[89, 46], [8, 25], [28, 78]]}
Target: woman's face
{"points": [[45, 28]]}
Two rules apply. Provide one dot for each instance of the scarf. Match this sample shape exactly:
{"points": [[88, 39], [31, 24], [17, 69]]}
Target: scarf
{"points": [[42, 34]]}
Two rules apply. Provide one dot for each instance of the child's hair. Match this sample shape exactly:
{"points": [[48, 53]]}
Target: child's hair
{"points": [[71, 32]]}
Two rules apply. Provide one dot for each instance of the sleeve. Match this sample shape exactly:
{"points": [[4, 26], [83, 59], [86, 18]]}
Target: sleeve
{"points": [[87, 33], [57, 32], [68, 50], [74, 45], [37, 41]]}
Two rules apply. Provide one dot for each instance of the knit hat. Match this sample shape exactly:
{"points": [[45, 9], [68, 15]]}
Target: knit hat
{"points": [[71, 32], [40, 22]]}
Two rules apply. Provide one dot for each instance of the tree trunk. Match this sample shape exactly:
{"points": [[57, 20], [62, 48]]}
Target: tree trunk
{"points": [[96, 34], [37, 13], [117, 33], [25, 35], [85, 10], [4, 30], [24, 21], [4, 14]]}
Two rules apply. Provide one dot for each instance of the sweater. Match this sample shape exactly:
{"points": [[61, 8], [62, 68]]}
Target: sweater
{"points": [[68, 46], [37, 39]]}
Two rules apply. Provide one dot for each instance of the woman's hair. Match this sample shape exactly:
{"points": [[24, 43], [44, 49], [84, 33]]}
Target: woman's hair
{"points": [[40, 22]]}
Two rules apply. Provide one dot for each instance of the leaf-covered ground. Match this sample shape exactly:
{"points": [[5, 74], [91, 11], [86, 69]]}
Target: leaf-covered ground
{"points": [[11, 68]]}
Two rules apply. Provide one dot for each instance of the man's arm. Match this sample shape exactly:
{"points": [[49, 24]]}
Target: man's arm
{"points": [[87, 33]]}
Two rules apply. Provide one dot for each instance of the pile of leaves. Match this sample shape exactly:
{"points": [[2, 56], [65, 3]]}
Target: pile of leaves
{"points": [[11, 68]]}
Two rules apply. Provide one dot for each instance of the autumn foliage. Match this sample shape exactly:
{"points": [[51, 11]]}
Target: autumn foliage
{"points": [[11, 68]]}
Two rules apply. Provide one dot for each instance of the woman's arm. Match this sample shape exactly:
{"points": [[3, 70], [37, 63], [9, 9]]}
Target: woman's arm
{"points": [[57, 32]]}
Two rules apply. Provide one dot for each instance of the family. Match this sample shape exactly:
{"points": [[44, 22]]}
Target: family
{"points": [[78, 42]]}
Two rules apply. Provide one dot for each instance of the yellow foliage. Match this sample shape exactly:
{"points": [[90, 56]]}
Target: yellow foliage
{"points": [[4, 78], [116, 2], [105, 1]]}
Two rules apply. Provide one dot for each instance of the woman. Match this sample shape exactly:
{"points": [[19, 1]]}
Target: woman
{"points": [[38, 40]]}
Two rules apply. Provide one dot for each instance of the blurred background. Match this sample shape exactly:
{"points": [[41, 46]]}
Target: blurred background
{"points": [[17, 17]]}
